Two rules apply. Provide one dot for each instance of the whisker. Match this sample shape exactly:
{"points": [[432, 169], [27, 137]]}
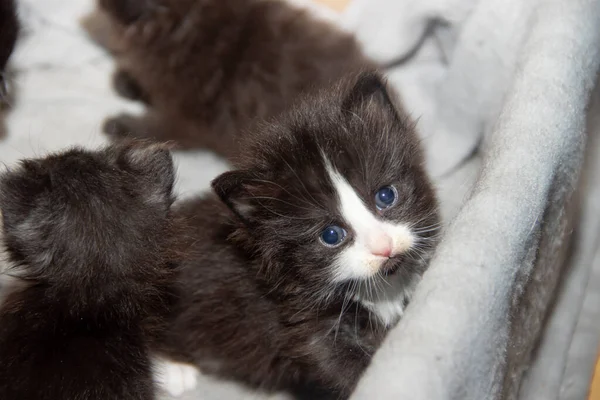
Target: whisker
{"points": [[425, 230]]}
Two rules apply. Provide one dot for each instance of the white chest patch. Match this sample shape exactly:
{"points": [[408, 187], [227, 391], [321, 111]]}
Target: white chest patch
{"points": [[388, 304], [388, 311]]}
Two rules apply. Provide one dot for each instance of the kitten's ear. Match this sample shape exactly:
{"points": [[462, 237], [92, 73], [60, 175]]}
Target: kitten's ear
{"points": [[234, 188], [154, 161], [127, 11], [369, 87]]}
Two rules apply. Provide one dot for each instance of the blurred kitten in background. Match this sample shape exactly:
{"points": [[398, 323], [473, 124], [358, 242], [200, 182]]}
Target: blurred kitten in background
{"points": [[207, 68]]}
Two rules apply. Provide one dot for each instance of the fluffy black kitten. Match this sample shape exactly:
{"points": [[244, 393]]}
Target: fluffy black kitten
{"points": [[88, 234], [313, 248], [9, 30]]}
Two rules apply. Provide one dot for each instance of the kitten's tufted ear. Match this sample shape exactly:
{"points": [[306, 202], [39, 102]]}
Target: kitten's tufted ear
{"points": [[236, 189], [154, 162], [127, 11], [370, 87]]}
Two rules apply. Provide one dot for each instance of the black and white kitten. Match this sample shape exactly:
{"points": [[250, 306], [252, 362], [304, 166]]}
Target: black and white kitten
{"points": [[89, 234], [313, 247]]}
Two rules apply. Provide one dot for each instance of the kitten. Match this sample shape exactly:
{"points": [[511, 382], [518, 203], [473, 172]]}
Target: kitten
{"points": [[9, 30], [206, 68], [312, 249], [89, 235]]}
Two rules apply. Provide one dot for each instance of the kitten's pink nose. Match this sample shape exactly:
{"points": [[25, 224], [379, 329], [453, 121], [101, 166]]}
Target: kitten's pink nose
{"points": [[380, 245]]}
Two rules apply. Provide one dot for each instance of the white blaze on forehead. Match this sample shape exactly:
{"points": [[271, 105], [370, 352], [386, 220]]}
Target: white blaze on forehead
{"points": [[372, 236]]}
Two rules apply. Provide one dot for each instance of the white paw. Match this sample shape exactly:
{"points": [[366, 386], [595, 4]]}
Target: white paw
{"points": [[175, 378]]}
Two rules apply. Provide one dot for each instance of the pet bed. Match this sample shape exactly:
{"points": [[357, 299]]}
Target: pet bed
{"points": [[503, 92]]}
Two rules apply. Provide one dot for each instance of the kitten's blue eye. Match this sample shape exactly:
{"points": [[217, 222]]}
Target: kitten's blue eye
{"points": [[386, 197], [333, 235]]}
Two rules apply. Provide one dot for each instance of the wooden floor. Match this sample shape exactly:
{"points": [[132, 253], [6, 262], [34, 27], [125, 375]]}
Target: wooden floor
{"points": [[595, 386], [337, 5]]}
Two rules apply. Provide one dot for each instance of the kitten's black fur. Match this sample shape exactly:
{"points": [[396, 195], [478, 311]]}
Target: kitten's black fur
{"points": [[9, 30], [258, 304], [208, 68], [89, 236]]}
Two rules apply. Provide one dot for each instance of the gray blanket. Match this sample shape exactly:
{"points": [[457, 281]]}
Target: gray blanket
{"points": [[501, 89]]}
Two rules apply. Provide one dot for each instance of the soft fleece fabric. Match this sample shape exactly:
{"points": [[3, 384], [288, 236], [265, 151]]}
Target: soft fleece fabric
{"points": [[502, 89]]}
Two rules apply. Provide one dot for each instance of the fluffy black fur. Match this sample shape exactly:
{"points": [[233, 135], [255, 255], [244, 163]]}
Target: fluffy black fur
{"points": [[88, 235], [258, 304]]}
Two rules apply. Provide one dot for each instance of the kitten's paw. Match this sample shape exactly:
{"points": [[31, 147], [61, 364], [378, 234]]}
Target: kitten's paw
{"points": [[118, 127], [101, 30], [128, 126], [175, 378], [126, 86]]}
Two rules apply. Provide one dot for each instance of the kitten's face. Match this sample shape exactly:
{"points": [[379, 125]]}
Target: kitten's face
{"points": [[335, 192], [79, 206]]}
